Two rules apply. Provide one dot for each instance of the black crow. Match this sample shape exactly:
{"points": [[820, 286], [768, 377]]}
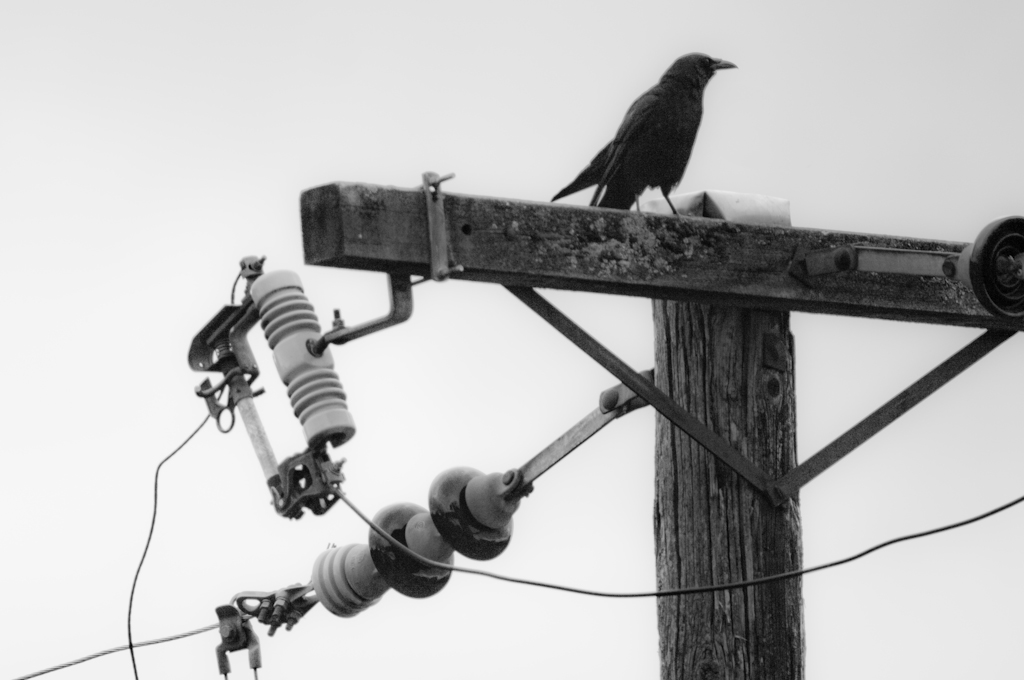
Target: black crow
{"points": [[654, 141]]}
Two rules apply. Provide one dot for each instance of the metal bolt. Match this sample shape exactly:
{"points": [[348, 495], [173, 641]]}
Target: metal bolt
{"points": [[949, 267], [435, 185], [609, 399], [510, 480]]}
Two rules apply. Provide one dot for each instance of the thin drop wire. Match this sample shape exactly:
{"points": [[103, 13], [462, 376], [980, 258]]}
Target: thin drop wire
{"points": [[97, 655], [674, 591], [234, 286], [152, 524]]}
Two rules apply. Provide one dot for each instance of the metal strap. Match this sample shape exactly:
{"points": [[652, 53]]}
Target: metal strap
{"points": [[437, 226]]}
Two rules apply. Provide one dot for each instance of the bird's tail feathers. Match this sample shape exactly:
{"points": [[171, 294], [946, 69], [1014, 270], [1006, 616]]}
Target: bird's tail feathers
{"points": [[590, 176], [578, 184]]}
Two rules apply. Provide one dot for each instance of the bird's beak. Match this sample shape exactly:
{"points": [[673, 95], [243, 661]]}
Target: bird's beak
{"points": [[722, 63]]}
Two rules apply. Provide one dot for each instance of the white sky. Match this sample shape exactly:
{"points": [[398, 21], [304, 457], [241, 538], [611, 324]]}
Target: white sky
{"points": [[145, 148]]}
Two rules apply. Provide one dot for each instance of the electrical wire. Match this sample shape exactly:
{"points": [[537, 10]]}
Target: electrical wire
{"points": [[402, 548], [152, 524], [479, 572], [97, 655]]}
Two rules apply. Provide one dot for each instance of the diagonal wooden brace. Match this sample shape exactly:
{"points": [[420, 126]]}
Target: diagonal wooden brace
{"points": [[646, 389]]}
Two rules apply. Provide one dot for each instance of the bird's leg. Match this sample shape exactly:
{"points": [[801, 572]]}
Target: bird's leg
{"points": [[674, 212], [638, 205]]}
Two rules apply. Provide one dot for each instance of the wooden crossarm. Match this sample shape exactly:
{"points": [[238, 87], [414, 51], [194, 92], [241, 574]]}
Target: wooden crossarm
{"points": [[523, 243]]}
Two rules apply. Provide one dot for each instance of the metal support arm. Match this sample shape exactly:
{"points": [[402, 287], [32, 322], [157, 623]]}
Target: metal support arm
{"points": [[614, 403], [646, 389], [789, 484], [786, 487]]}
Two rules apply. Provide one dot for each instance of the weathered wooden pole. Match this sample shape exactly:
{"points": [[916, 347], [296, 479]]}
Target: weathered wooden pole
{"points": [[732, 368]]}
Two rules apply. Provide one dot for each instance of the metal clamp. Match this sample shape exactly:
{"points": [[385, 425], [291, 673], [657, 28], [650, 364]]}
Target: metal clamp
{"points": [[437, 227], [236, 634], [308, 480], [283, 607]]}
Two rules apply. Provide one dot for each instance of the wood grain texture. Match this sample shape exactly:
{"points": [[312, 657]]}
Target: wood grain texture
{"points": [[693, 259], [732, 369]]}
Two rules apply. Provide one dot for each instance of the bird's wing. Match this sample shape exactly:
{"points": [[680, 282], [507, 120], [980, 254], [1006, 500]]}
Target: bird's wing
{"points": [[636, 125]]}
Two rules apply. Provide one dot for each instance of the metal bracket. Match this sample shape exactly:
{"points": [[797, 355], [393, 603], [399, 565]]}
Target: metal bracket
{"points": [[798, 266], [866, 258], [223, 346], [646, 389], [437, 227], [400, 294], [222, 343]]}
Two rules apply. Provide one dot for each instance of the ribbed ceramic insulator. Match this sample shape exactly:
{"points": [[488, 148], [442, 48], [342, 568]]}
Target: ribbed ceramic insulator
{"points": [[289, 321], [346, 580]]}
